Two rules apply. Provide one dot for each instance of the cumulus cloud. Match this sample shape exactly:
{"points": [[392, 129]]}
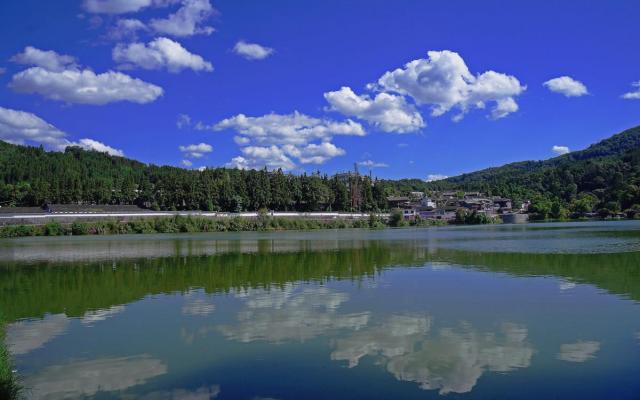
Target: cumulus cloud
{"points": [[49, 60], [388, 112], [115, 6], [559, 150], [567, 86], [26, 336], [158, 54], [21, 127], [187, 20], [186, 163], [635, 94], [373, 164], [295, 129], [578, 352], [183, 121], [273, 138], [436, 177], [257, 157], [90, 144], [126, 28], [123, 6], [314, 153], [443, 81], [252, 51], [84, 86], [81, 379], [196, 150]]}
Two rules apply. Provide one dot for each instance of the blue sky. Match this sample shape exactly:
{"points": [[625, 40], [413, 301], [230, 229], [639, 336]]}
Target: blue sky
{"points": [[309, 85]]}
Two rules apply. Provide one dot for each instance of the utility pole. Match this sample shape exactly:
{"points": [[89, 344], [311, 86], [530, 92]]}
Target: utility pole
{"points": [[355, 189]]}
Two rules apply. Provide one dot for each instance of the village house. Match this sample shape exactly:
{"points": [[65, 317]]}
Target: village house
{"points": [[444, 205]]}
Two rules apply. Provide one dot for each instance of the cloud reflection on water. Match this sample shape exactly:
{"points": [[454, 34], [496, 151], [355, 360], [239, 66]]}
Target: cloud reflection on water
{"points": [[88, 377], [292, 315]]}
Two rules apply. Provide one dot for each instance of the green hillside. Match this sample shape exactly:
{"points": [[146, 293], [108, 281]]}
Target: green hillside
{"points": [[605, 177], [31, 176]]}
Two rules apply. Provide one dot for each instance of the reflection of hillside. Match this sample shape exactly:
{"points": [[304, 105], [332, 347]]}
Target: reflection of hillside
{"points": [[76, 288], [618, 273]]}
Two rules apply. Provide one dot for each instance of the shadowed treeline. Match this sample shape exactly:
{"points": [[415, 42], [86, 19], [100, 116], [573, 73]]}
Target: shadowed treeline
{"points": [[74, 288]]}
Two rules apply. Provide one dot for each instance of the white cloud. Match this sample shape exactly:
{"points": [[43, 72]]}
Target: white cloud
{"points": [[274, 138], [49, 60], [126, 28], [256, 157], [187, 20], [84, 86], [123, 6], [196, 150], [21, 127], [560, 150], [115, 6], [567, 86], [389, 112], [158, 54], [634, 95], [373, 164], [314, 153], [183, 121], [436, 177], [295, 129], [444, 81], [578, 352], [186, 163], [90, 144], [252, 51]]}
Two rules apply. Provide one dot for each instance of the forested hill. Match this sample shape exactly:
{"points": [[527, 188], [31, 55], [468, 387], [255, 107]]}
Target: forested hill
{"points": [[31, 176], [604, 176]]}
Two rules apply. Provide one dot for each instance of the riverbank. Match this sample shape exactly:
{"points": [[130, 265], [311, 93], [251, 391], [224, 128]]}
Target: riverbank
{"points": [[9, 387], [194, 224]]}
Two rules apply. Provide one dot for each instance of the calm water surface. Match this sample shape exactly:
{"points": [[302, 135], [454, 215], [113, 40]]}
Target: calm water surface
{"points": [[540, 311]]}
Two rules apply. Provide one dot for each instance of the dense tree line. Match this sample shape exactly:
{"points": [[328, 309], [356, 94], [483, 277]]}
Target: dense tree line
{"points": [[31, 176], [604, 178]]}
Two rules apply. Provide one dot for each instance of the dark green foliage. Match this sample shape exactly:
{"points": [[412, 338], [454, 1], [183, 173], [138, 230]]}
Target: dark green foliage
{"points": [[180, 224], [606, 175], [30, 176], [9, 386]]}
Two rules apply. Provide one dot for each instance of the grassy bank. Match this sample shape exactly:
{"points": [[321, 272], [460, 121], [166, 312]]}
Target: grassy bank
{"points": [[183, 224], [9, 387]]}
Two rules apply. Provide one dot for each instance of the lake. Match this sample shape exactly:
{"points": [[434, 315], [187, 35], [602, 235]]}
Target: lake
{"points": [[537, 311]]}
